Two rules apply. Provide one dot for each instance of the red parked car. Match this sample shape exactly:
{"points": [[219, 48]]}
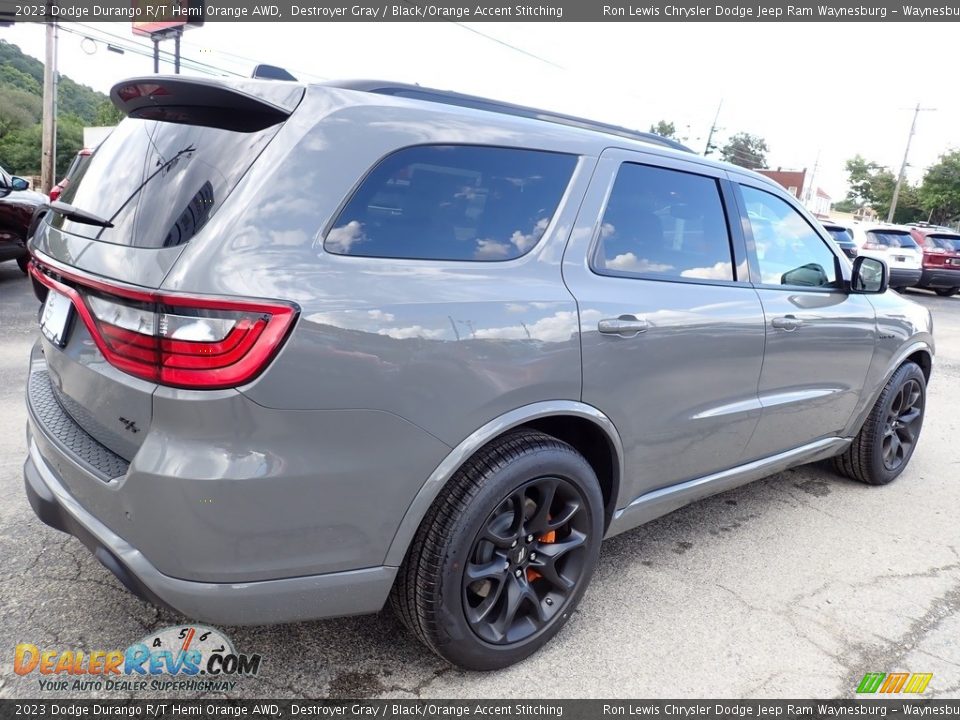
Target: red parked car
{"points": [[941, 259]]}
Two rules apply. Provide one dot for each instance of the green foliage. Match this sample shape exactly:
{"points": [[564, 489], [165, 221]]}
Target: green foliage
{"points": [[939, 193], [107, 114], [873, 184], [665, 129], [20, 150], [746, 150], [21, 101], [845, 206], [18, 109]]}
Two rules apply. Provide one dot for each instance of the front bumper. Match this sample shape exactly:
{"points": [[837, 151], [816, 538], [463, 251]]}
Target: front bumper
{"points": [[353, 592], [937, 278], [901, 278]]}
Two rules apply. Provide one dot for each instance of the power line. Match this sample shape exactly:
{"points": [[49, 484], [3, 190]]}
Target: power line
{"points": [[140, 49], [505, 44]]}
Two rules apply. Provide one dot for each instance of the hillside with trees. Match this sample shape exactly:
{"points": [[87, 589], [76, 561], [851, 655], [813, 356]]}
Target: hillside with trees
{"points": [[21, 95]]}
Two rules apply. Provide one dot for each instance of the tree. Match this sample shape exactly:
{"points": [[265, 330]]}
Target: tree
{"points": [[665, 129], [107, 114], [847, 205], [939, 192], [872, 184], [746, 150], [20, 150]]}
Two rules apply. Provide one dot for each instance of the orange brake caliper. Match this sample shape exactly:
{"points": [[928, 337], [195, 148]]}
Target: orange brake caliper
{"points": [[549, 537]]}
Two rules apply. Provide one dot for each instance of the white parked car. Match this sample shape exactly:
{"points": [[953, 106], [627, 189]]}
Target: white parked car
{"points": [[895, 246]]}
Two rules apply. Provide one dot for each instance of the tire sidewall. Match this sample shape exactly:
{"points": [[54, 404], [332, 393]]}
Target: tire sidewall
{"points": [[459, 643]]}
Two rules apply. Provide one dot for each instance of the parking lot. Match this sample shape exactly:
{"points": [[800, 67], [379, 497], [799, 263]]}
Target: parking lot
{"points": [[794, 586]]}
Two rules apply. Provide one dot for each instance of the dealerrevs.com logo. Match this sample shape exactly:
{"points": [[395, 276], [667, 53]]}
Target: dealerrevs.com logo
{"points": [[191, 657]]}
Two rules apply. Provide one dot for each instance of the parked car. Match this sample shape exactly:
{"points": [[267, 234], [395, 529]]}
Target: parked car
{"points": [[842, 236], [895, 246], [17, 206], [75, 169], [467, 343], [941, 259]]}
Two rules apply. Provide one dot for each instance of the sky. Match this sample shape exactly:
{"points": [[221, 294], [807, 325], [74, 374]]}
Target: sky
{"points": [[818, 93]]}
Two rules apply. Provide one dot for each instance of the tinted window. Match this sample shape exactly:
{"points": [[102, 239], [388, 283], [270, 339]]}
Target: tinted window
{"points": [[159, 182], [890, 238], [950, 243], [789, 252], [664, 223], [452, 202], [841, 235]]}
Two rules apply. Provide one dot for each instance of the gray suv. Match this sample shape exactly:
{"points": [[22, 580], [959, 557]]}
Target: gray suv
{"points": [[305, 350]]}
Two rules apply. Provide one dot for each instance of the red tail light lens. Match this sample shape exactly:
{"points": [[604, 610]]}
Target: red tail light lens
{"points": [[177, 340]]}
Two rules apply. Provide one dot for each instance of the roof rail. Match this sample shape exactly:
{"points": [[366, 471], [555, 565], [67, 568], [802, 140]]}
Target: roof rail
{"points": [[447, 97]]}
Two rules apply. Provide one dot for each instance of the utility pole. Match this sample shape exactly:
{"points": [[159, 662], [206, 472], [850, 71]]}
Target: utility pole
{"points": [[48, 159], [713, 128], [903, 166], [813, 177]]}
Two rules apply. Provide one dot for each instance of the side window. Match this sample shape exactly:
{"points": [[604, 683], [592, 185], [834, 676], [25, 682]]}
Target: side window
{"points": [[664, 224], [453, 202], [789, 252]]}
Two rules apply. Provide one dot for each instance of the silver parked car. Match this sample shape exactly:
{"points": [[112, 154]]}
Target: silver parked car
{"points": [[307, 349]]}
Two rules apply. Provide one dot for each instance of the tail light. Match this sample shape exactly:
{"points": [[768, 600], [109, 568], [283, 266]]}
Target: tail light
{"points": [[174, 339]]}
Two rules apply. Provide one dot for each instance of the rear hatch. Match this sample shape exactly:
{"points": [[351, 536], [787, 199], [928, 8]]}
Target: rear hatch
{"points": [[942, 251], [897, 246], [107, 335]]}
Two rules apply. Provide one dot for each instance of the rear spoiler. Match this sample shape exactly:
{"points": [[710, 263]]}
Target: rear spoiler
{"points": [[241, 105]]}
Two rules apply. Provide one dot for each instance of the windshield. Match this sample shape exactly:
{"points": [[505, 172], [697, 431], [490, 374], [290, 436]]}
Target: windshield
{"points": [[159, 182], [892, 239], [840, 234], [950, 243]]}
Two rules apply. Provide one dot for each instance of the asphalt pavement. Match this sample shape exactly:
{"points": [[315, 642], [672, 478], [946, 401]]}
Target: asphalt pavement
{"points": [[793, 587]]}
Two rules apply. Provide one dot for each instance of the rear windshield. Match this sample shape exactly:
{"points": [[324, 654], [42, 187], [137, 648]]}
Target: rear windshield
{"points": [[840, 234], [891, 238], [950, 243], [159, 182]]}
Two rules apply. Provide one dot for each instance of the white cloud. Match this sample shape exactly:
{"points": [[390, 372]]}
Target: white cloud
{"points": [[340, 239], [413, 331], [630, 262], [720, 271]]}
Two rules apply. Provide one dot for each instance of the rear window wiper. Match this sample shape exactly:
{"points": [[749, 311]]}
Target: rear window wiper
{"points": [[78, 215]]}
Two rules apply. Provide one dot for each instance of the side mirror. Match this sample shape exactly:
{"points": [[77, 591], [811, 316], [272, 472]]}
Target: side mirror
{"points": [[870, 276], [18, 183]]}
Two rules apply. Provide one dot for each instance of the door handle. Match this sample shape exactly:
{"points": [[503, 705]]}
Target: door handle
{"points": [[788, 323], [624, 326]]}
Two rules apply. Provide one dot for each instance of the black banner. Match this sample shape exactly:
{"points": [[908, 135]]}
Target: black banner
{"points": [[195, 12], [505, 709]]}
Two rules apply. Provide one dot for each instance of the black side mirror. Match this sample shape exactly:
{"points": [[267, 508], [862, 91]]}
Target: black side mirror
{"points": [[18, 183], [870, 276]]}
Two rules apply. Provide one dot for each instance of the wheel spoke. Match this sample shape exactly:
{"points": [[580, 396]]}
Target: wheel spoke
{"points": [[513, 597], [546, 565], [910, 416], [480, 612], [493, 570], [546, 490]]}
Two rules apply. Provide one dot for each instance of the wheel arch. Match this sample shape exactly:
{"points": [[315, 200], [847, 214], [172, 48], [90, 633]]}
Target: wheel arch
{"points": [[920, 353], [584, 427]]}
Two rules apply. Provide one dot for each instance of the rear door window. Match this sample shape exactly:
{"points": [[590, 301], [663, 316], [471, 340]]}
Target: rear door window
{"points": [[661, 224], [453, 202]]}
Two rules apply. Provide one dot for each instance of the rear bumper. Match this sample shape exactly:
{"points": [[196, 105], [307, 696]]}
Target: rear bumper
{"points": [[937, 278], [353, 592], [904, 278]]}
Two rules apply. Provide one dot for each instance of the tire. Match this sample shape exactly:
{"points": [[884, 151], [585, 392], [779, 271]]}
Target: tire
{"points": [[22, 263], [472, 524], [869, 458], [946, 292]]}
